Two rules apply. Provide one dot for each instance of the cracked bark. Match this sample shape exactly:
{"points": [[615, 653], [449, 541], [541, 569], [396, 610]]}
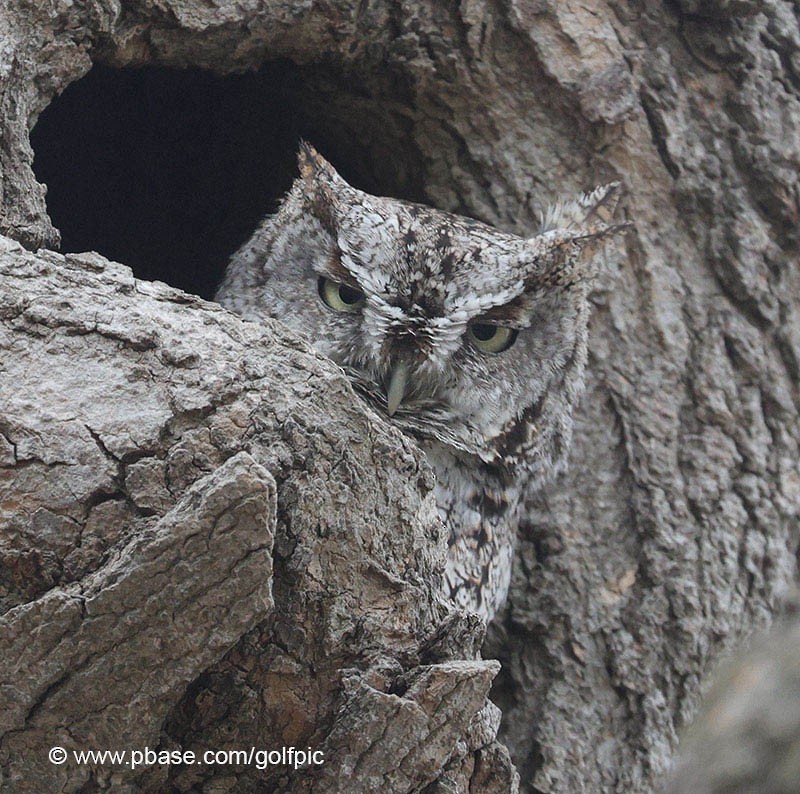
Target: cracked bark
{"points": [[747, 736], [83, 659], [198, 551], [673, 533]]}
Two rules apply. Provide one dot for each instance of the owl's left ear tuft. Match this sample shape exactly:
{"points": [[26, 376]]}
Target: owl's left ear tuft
{"points": [[590, 212], [562, 256], [599, 205]]}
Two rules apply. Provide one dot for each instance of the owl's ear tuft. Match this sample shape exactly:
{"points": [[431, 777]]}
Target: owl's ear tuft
{"points": [[320, 186], [564, 257], [572, 233], [590, 212], [313, 165]]}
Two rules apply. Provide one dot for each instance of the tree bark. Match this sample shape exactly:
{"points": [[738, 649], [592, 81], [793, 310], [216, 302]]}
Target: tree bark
{"points": [[746, 739], [127, 407], [209, 543]]}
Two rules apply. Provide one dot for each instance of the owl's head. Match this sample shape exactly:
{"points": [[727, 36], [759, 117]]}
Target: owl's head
{"points": [[462, 334]]}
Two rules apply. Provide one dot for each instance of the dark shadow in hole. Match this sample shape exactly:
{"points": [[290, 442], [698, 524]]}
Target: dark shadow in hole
{"points": [[169, 171]]}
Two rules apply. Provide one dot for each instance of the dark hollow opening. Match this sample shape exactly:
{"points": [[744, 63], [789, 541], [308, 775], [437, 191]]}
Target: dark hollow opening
{"points": [[169, 171]]}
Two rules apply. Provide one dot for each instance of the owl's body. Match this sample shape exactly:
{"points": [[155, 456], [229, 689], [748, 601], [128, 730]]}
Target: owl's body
{"points": [[472, 340]]}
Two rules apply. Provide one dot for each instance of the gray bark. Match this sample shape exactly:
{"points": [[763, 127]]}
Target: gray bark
{"points": [[103, 659], [199, 551], [746, 739], [676, 527]]}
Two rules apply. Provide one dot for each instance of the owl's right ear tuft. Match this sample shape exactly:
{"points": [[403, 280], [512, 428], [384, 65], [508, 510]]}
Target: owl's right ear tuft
{"points": [[320, 186], [313, 165]]}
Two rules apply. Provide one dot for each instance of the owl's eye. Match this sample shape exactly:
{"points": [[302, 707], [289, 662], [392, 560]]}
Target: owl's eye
{"points": [[492, 338], [339, 296]]}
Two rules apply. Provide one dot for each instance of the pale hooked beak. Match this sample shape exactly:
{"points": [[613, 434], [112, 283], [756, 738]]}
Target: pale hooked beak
{"points": [[396, 390]]}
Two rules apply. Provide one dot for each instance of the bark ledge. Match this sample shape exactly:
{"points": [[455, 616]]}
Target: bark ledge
{"points": [[210, 543], [675, 530]]}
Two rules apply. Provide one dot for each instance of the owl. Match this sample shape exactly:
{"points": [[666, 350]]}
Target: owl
{"points": [[471, 340]]}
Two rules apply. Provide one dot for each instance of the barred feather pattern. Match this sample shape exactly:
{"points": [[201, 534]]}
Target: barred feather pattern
{"points": [[469, 339]]}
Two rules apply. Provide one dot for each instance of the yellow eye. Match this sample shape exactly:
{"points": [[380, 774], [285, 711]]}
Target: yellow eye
{"points": [[340, 297], [492, 338]]}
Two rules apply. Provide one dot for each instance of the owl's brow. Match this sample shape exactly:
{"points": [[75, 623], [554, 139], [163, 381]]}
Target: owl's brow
{"points": [[334, 269], [512, 314]]}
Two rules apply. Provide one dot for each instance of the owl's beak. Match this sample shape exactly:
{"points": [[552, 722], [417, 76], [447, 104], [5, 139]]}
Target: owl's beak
{"points": [[397, 387]]}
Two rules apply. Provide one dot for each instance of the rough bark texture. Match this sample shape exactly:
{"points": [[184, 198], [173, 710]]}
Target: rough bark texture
{"points": [[104, 660], [677, 525], [161, 457], [747, 737]]}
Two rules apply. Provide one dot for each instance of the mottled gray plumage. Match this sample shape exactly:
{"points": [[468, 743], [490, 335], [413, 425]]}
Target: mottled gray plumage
{"points": [[473, 340]]}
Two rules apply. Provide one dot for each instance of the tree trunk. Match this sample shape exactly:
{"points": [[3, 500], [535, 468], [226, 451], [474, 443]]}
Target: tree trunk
{"points": [[746, 739], [200, 553], [163, 462]]}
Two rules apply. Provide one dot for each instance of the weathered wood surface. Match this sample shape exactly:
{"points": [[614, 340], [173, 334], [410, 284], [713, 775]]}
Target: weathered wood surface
{"points": [[677, 525], [207, 542], [746, 739]]}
